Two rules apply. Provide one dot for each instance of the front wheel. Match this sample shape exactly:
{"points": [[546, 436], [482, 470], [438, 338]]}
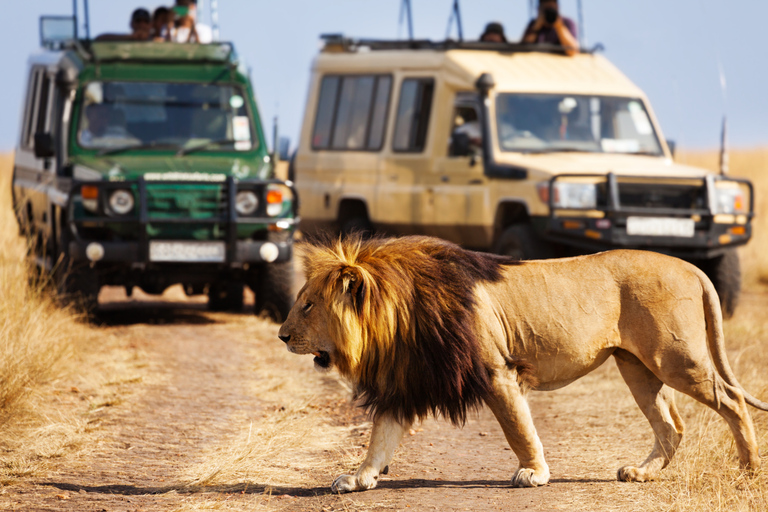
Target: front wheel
{"points": [[274, 290], [725, 273]]}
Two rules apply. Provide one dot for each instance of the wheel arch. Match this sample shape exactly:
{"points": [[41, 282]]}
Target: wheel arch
{"points": [[508, 212]]}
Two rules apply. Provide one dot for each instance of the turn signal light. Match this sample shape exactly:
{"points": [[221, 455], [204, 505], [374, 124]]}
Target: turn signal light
{"points": [[274, 197], [89, 192]]}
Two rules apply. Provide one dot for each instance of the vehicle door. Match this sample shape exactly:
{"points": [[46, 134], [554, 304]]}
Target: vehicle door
{"points": [[347, 139], [461, 196], [33, 176], [402, 203]]}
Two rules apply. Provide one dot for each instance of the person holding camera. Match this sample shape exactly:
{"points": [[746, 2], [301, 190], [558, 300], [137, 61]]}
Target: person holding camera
{"points": [[552, 28]]}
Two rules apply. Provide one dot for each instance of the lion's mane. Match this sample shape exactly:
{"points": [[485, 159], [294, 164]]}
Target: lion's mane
{"points": [[403, 321]]}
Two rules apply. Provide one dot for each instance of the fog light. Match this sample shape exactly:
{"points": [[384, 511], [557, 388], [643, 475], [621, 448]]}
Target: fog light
{"points": [[269, 252], [94, 251]]}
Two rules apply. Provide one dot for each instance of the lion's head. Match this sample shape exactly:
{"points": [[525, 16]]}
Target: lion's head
{"points": [[396, 317]]}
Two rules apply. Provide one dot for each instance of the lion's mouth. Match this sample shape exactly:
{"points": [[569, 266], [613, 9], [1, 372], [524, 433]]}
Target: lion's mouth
{"points": [[322, 359]]}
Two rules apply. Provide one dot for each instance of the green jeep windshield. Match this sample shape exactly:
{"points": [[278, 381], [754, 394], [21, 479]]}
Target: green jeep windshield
{"points": [[534, 123], [156, 114]]}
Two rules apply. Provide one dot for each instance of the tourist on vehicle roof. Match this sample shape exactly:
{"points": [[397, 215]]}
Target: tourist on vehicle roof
{"points": [[188, 30], [552, 28], [494, 33], [141, 25], [162, 24]]}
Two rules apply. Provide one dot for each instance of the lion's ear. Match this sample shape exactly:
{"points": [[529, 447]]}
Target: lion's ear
{"points": [[352, 285]]}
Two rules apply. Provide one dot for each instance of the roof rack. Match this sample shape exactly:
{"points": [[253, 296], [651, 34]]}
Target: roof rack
{"points": [[103, 52], [340, 43]]}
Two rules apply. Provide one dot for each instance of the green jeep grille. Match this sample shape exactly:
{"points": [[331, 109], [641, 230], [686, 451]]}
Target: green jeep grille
{"points": [[194, 202]]}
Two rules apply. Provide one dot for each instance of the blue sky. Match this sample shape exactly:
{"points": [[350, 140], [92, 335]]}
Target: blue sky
{"points": [[673, 49]]}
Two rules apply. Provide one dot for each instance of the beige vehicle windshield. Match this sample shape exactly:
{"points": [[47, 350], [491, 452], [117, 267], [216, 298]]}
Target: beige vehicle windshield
{"points": [[538, 123]]}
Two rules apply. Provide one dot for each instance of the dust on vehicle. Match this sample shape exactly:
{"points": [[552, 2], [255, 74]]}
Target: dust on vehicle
{"points": [[509, 148]]}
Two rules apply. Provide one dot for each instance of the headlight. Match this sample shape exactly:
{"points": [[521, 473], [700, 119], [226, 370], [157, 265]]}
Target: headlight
{"points": [[121, 202], [730, 200], [570, 195], [246, 202], [276, 195]]}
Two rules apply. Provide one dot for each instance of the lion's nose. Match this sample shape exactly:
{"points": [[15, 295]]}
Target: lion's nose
{"points": [[285, 339]]}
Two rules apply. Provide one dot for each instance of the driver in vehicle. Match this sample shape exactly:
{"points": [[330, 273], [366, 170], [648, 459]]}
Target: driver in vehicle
{"points": [[105, 124], [550, 27]]}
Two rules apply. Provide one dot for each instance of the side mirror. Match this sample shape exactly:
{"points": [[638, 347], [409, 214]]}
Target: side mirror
{"points": [[672, 145], [45, 147], [460, 144]]}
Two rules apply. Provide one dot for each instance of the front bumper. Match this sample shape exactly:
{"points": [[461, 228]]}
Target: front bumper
{"points": [[605, 228], [134, 253], [275, 233]]}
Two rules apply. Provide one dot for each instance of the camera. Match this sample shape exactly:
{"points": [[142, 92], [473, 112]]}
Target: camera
{"points": [[551, 15]]}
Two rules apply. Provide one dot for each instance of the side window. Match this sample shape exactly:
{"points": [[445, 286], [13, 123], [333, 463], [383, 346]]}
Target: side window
{"points": [[352, 112], [43, 110], [30, 113], [413, 114]]}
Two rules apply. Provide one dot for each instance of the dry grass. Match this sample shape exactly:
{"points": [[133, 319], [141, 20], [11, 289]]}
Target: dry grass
{"points": [[293, 443], [751, 164], [43, 348]]}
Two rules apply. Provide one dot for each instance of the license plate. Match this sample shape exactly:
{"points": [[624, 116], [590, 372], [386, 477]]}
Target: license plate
{"points": [[187, 252], [660, 226]]}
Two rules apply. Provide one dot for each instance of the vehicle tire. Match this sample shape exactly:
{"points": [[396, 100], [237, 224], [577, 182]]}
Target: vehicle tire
{"points": [[520, 242], [225, 297], [76, 284], [725, 273], [274, 290]]}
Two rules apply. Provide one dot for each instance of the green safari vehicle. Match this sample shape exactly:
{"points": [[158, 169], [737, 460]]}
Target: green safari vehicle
{"points": [[145, 164]]}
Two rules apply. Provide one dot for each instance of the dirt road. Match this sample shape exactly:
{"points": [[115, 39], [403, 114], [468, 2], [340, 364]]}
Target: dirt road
{"points": [[210, 423]]}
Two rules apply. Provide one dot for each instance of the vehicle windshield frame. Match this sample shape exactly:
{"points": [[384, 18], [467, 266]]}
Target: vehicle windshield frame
{"points": [[143, 146], [599, 145]]}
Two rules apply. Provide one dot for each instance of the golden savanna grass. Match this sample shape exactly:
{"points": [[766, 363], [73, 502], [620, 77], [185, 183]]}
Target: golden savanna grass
{"points": [[41, 343]]}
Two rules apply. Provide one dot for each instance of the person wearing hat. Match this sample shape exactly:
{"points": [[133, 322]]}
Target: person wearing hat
{"points": [[550, 27], [494, 33]]}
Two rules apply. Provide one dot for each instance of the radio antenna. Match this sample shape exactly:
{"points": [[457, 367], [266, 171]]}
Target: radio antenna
{"points": [[455, 13], [582, 26], [405, 10]]}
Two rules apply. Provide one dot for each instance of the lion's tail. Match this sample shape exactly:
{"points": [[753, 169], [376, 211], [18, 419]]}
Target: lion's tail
{"points": [[716, 341]]}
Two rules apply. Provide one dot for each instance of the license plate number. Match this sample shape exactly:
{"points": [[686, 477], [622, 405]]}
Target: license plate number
{"points": [[187, 252], [660, 226]]}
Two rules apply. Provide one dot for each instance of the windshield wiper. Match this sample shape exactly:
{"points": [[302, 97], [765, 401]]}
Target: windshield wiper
{"points": [[146, 145], [205, 145]]}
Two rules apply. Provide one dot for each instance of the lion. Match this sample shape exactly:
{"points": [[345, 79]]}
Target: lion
{"points": [[423, 327]]}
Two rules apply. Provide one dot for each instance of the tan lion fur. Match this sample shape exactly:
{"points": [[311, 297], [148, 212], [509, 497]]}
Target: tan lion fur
{"points": [[421, 326]]}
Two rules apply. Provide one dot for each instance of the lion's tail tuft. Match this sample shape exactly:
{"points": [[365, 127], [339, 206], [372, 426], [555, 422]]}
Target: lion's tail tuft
{"points": [[716, 341]]}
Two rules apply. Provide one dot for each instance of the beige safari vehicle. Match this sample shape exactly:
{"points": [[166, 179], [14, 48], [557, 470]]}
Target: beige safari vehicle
{"points": [[514, 149]]}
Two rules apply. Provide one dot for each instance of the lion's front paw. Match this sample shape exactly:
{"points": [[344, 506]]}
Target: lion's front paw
{"points": [[344, 483], [363, 481], [525, 477], [633, 474]]}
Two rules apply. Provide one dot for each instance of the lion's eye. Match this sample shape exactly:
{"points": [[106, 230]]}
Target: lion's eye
{"points": [[307, 307]]}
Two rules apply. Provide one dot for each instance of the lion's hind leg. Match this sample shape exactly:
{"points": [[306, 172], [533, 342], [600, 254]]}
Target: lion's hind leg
{"points": [[657, 402]]}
